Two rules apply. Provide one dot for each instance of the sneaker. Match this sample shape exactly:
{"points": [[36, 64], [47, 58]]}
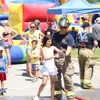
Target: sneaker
{"points": [[1, 91], [88, 87], [71, 97], [36, 98]]}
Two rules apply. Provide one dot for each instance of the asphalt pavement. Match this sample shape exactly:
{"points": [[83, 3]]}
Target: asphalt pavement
{"points": [[21, 87]]}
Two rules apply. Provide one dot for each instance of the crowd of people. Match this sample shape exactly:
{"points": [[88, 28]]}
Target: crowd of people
{"points": [[52, 49]]}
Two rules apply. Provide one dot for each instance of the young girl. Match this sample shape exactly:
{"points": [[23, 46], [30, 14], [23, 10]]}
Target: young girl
{"points": [[49, 68], [7, 37], [31, 33], [3, 70], [34, 57]]}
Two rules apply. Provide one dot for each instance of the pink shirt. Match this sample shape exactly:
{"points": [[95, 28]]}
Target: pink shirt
{"points": [[7, 36]]}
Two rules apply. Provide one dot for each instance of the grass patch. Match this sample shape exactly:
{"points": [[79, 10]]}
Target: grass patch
{"points": [[96, 53]]}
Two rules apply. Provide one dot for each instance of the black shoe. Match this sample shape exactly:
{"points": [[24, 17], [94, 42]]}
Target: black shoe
{"points": [[58, 97], [1, 92], [88, 87]]}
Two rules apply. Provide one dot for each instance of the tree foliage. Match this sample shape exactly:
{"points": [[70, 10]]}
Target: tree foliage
{"points": [[92, 1]]}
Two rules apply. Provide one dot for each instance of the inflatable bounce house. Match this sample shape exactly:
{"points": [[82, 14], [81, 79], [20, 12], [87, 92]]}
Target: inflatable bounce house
{"points": [[21, 13]]}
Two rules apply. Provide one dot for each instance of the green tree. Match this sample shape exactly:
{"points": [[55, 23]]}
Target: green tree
{"points": [[92, 1]]}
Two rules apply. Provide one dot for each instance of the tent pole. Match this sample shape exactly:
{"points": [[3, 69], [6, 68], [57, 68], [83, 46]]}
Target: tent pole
{"points": [[47, 18]]}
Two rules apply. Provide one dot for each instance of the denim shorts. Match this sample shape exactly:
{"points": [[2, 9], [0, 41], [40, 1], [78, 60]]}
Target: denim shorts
{"points": [[7, 46], [2, 43], [35, 67]]}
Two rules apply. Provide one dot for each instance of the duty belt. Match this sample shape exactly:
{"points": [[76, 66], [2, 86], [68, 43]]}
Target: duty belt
{"points": [[82, 45]]}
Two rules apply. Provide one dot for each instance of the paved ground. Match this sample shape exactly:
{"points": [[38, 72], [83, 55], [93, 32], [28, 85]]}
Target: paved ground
{"points": [[21, 87]]}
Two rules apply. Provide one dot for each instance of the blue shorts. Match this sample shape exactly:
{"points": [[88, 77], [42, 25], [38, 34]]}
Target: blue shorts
{"points": [[2, 43], [7, 46], [35, 67]]}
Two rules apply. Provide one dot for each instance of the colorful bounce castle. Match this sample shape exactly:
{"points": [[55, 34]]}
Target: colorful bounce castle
{"points": [[22, 12]]}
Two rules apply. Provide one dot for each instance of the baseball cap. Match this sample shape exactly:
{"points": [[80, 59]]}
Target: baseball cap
{"points": [[1, 48], [85, 17], [86, 24], [36, 22], [98, 19]]}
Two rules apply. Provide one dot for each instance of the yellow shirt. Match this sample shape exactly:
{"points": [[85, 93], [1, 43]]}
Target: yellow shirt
{"points": [[35, 52], [31, 35]]}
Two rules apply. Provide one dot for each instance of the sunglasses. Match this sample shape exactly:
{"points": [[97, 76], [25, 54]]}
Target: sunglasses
{"points": [[32, 26], [63, 27]]}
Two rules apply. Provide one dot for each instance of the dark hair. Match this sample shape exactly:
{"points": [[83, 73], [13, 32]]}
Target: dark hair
{"points": [[86, 24], [49, 24], [45, 39]]}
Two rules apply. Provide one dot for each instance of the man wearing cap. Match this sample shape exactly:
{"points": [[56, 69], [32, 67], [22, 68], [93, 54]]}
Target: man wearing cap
{"points": [[96, 30], [86, 57], [85, 18], [64, 41], [37, 23]]}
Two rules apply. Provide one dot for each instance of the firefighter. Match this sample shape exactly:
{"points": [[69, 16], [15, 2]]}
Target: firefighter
{"points": [[64, 41], [86, 56]]}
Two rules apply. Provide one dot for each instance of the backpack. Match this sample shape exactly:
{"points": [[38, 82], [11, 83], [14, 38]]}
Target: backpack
{"points": [[83, 37]]}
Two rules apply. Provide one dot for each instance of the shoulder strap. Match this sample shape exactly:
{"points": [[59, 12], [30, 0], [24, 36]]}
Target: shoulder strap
{"points": [[65, 39], [82, 36]]}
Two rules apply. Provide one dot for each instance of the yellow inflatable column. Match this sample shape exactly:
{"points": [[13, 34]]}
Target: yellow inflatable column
{"points": [[63, 1], [15, 16]]}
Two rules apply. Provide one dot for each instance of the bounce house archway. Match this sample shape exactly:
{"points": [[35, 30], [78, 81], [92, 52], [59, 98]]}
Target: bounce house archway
{"points": [[22, 13]]}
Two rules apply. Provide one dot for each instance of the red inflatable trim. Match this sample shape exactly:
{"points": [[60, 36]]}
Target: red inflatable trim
{"points": [[32, 12]]}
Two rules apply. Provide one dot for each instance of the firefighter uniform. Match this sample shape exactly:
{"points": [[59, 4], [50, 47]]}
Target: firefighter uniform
{"points": [[86, 58], [64, 66]]}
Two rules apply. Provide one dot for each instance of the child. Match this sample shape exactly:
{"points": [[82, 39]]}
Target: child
{"points": [[34, 56], [49, 68], [3, 70]]}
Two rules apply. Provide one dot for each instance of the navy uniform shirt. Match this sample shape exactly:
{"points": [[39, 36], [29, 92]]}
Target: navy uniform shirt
{"points": [[58, 40], [91, 37]]}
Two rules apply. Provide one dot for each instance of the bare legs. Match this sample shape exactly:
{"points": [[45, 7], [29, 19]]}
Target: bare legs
{"points": [[2, 84], [44, 82], [52, 86], [28, 67], [36, 74], [8, 56]]}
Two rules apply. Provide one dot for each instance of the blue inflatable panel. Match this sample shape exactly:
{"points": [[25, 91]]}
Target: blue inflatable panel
{"points": [[4, 17], [16, 54]]}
